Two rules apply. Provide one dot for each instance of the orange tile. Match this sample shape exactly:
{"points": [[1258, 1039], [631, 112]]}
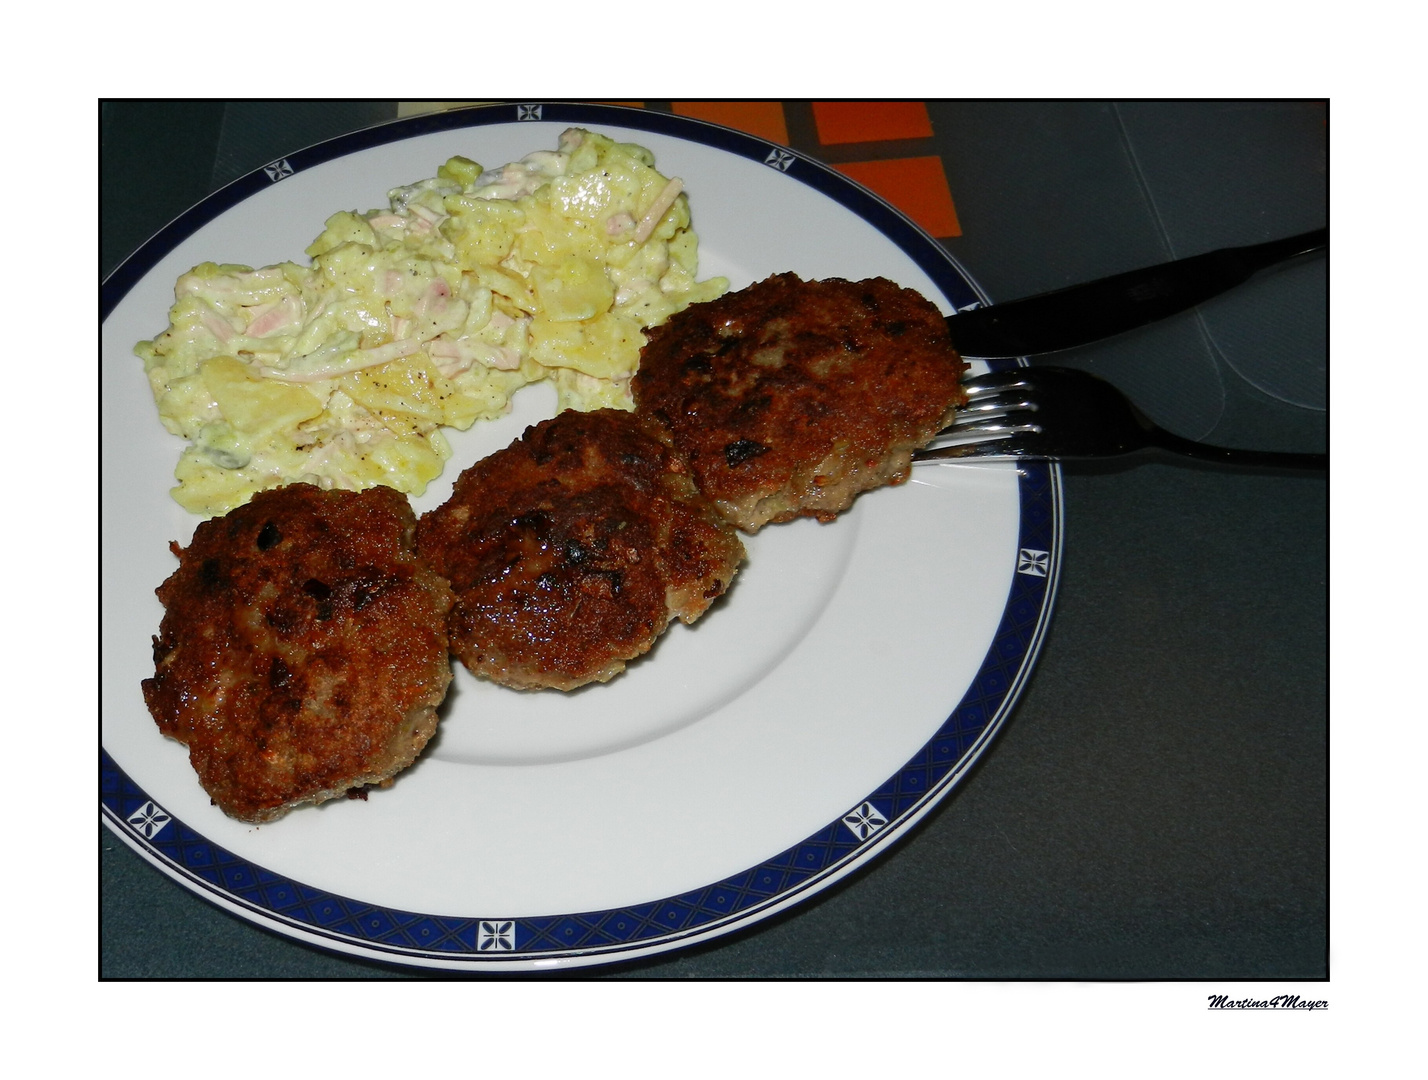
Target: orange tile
{"points": [[761, 118], [916, 186], [870, 121]]}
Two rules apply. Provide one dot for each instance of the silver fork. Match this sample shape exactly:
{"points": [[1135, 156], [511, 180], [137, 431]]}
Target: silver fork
{"points": [[1053, 413]]}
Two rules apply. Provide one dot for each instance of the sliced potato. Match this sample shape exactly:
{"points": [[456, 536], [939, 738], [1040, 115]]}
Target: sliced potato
{"points": [[607, 346], [572, 290], [255, 405]]}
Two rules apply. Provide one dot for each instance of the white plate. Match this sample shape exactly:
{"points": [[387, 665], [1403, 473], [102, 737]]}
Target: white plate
{"points": [[845, 684]]}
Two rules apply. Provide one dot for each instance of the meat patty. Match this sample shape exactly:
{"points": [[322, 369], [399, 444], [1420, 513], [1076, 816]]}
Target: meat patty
{"points": [[790, 397], [303, 649], [572, 550]]}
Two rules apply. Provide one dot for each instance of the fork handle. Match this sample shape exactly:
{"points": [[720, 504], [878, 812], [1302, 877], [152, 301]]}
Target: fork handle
{"points": [[1065, 318], [1224, 455]]}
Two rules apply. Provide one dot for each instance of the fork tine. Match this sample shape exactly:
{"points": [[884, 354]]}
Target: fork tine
{"points": [[1005, 449], [984, 430], [985, 386], [993, 424], [1000, 406], [995, 405]]}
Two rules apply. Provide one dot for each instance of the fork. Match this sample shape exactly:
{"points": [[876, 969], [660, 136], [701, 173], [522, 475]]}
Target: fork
{"points": [[1051, 413]]}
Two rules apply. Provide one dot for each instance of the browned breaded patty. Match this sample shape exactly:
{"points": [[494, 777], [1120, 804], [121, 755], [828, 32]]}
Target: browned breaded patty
{"points": [[303, 649], [790, 397], [571, 550]]}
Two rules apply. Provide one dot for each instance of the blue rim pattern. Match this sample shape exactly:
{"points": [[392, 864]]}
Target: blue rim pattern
{"points": [[867, 828]]}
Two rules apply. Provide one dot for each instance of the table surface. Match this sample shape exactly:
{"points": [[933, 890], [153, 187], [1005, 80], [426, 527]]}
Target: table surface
{"points": [[1156, 808]]}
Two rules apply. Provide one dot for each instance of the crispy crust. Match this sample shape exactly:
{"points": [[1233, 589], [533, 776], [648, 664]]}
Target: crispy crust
{"points": [[571, 550], [303, 649], [791, 397]]}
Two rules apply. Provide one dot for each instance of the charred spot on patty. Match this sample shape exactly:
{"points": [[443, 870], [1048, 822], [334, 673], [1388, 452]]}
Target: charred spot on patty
{"points": [[741, 450], [210, 574]]}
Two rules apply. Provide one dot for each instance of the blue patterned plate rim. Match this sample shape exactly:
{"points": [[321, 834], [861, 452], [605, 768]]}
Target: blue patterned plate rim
{"points": [[869, 827]]}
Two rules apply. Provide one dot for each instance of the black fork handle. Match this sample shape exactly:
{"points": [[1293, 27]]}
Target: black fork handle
{"points": [[1224, 455], [1050, 322]]}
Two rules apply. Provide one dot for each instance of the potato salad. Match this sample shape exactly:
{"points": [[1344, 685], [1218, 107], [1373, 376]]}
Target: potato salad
{"points": [[429, 313]]}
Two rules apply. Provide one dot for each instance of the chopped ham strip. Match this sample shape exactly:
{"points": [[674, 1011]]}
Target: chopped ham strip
{"points": [[663, 201]]}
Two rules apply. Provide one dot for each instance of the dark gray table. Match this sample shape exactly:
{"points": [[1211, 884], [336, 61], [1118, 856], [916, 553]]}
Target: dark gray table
{"points": [[1157, 805]]}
